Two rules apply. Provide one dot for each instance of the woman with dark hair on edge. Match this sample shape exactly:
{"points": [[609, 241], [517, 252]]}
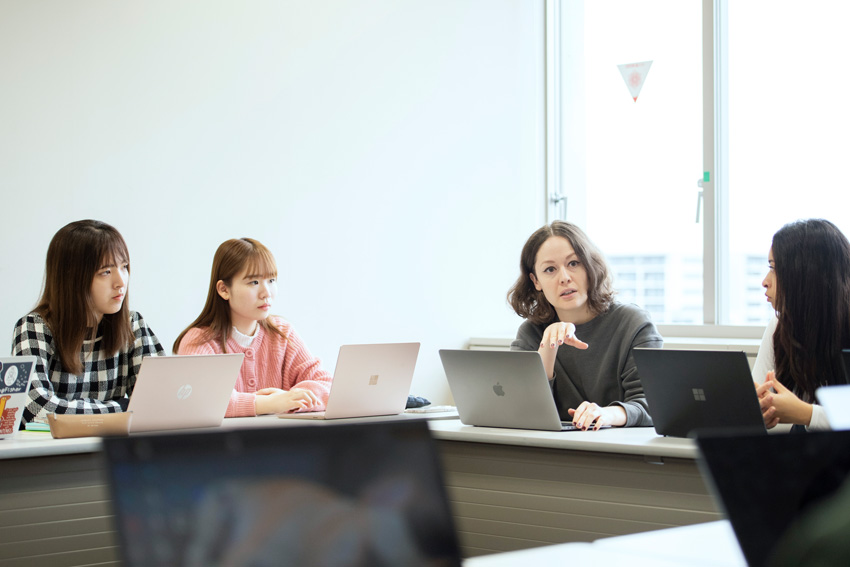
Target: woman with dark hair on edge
{"points": [[564, 292], [87, 343], [808, 286]]}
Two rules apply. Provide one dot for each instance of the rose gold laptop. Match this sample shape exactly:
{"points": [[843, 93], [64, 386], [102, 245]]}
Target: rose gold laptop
{"points": [[181, 392], [369, 380]]}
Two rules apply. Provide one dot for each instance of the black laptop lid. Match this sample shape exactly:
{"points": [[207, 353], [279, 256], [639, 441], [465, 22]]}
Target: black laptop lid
{"points": [[766, 482], [364, 494], [689, 391]]}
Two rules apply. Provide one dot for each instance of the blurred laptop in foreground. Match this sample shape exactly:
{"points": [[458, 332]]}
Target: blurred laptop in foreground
{"points": [[367, 494]]}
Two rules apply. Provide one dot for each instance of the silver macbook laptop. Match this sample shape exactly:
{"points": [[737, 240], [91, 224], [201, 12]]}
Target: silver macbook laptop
{"points": [[689, 391], [15, 373], [179, 392], [369, 380], [502, 389], [835, 401]]}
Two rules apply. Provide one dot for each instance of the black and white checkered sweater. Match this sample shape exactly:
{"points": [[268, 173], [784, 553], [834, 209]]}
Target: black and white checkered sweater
{"points": [[105, 380]]}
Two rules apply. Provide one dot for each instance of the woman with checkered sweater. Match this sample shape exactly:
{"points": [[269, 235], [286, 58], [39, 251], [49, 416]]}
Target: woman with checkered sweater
{"points": [[278, 373], [87, 343]]}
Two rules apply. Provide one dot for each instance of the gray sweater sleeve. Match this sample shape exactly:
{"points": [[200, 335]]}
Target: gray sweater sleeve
{"points": [[606, 372]]}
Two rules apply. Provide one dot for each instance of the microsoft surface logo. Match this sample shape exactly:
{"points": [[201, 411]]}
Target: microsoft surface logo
{"points": [[699, 394]]}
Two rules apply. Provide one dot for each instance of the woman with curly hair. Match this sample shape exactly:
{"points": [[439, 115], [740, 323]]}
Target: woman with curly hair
{"points": [[564, 292]]}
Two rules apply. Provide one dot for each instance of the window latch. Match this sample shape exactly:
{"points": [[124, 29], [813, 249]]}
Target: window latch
{"points": [[699, 199]]}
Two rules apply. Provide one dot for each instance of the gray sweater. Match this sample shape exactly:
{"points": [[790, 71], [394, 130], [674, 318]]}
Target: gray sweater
{"points": [[605, 373]]}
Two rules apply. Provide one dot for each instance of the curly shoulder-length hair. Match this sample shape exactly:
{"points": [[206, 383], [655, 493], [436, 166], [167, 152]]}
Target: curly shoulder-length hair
{"points": [[812, 259], [532, 304]]}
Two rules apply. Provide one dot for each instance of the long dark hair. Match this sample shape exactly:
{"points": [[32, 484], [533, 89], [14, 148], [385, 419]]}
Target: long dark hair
{"points": [[812, 266], [532, 304], [75, 254], [230, 259]]}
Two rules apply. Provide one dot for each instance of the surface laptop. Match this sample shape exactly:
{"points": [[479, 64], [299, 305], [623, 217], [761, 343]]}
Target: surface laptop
{"points": [[689, 391], [369, 380]]}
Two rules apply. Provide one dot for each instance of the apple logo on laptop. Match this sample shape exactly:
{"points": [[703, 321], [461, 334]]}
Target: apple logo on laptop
{"points": [[184, 392], [498, 389]]}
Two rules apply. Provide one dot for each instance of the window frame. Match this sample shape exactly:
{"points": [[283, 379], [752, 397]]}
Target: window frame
{"points": [[714, 205]]}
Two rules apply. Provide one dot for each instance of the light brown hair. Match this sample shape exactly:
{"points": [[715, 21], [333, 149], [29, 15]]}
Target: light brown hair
{"points": [[75, 254], [532, 304], [230, 259]]}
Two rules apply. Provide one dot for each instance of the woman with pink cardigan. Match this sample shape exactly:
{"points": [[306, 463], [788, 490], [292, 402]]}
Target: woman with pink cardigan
{"points": [[278, 373]]}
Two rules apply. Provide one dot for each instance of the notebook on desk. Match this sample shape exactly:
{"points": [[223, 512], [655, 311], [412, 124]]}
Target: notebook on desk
{"points": [[15, 374], [502, 389], [179, 392], [688, 391], [766, 482], [365, 494], [369, 380]]}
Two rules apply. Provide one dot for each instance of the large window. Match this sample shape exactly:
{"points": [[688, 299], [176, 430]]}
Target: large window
{"points": [[740, 101], [788, 127]]}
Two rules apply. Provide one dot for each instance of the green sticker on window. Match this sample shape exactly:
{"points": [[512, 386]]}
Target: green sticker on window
{"points": [[705, 177]]}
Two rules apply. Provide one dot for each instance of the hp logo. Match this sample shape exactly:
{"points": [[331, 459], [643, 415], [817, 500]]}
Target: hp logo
{"points": [[184, 392]]}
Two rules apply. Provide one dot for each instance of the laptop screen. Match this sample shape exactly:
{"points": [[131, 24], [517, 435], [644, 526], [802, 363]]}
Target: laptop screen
{"points": [[15, 374], [363, 494], [766, 482]]}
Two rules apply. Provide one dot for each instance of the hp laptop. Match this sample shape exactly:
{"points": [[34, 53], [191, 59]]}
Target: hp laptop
{"points": [[177, 392], [365, 494], [765, 483], [369, 380], [502, 389], [689, 391], [15, 374]]}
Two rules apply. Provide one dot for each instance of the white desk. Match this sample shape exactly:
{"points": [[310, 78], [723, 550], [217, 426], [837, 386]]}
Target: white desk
{"points": [[641, 441], [703, 545], [514, 489], [509, 489]]}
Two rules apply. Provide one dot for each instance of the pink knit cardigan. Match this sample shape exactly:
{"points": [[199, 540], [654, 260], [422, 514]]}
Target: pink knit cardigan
{"points": [[270, 362]]}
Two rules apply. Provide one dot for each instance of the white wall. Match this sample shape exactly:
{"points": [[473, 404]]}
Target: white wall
{"points": [[389, 152]]}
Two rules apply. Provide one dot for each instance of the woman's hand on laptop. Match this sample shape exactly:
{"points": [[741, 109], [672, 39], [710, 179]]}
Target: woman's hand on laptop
{"points": [[275, 400], [589, 415]]}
